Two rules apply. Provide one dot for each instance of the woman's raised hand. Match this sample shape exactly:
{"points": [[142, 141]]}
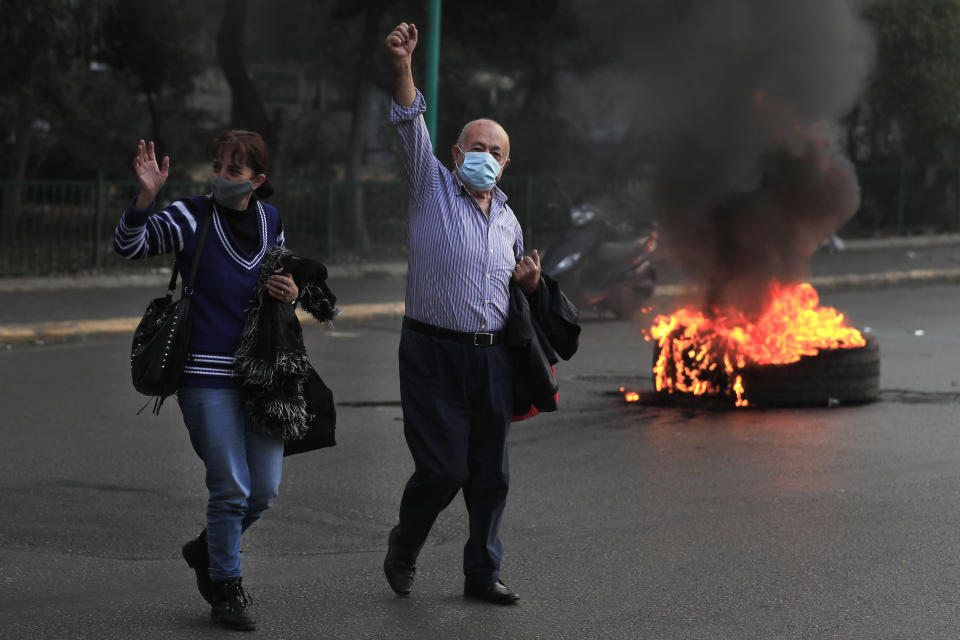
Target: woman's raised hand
{"points": [[150, 175]]}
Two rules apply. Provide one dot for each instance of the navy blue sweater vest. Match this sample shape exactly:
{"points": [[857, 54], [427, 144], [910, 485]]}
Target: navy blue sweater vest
{"points": [[226, 278]]}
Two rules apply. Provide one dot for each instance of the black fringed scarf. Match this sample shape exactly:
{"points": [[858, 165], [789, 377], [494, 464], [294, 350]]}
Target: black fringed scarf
{"points": [[271, 361]]}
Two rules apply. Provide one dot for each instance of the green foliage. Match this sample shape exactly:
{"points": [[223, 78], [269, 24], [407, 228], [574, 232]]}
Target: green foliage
{"points": [[507, 62], [45, 41], [41, 33], [153, 42], [87, 80], [912, 105], [547, 69]]}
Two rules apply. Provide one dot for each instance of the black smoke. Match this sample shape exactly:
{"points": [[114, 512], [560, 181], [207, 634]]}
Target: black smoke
{"points": [[734, 103]]}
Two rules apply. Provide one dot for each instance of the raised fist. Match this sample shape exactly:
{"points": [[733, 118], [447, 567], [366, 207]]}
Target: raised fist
{"points": [[402, 40]]}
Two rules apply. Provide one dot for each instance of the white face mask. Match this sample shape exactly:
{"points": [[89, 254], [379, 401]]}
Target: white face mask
{"points": [[228, 193]]}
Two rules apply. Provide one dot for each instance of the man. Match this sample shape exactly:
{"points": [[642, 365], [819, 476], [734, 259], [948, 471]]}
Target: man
{"points": [[465, 245]]}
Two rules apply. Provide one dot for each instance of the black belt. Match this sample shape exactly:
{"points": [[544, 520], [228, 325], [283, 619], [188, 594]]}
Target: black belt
{"points": [[476, 339]]}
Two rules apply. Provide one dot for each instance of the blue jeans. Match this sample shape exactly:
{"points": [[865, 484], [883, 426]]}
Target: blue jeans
{"points": [[243, 469]]}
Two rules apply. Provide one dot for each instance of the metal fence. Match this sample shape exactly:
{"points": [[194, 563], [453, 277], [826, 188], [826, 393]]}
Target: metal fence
{"points": [[51, 227], [66, 227], [903, 201]]}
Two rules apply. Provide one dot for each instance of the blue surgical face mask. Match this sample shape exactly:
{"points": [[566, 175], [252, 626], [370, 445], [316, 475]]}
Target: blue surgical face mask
{"points": [[479, 169], [228, 193]]}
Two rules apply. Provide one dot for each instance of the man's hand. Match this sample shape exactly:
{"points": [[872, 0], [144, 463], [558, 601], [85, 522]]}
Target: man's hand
{"points": [[150, 175], [527, 272], [402, 41]]}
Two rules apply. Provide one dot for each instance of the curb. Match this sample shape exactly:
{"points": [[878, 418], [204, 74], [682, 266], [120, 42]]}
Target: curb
{"points": [[56, 331], [887, 280], [160, 276], [900, 242], [42, 332], [850, 282]]}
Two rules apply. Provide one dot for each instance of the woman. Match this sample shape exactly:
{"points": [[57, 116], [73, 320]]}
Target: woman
{"points": [[243, 464]]}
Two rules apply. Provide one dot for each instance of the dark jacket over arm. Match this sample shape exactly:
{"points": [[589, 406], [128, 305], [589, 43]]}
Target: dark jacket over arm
{"points": [[541, 329], [282, 392]]}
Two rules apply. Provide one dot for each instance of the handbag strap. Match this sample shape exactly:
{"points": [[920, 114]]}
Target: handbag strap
{"points": [[188, 286], [201, 241]]}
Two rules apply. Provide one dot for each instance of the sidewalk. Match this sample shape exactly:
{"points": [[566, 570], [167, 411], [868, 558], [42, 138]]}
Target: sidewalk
{"points": [[877, 263], [52, 309]]}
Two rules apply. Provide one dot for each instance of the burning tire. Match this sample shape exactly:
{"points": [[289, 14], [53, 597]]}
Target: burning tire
{"points": [[835, 376], [830, 378], [728, 355]]}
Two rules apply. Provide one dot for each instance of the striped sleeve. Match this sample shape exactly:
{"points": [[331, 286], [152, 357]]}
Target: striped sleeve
{"points": [[416, 150], [518, 246], [141, 234]]}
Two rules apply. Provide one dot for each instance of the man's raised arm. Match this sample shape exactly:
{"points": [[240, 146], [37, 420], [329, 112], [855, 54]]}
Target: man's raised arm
{"points": [[401, 42], [416, 151]]}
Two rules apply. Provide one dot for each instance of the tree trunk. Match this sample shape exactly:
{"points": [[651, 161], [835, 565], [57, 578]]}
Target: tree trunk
{"points": [[23, 130], [154, 119], [247, 110], [358, 126]]}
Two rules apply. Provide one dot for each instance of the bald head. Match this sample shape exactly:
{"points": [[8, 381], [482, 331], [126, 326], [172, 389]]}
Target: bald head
{"points": [[488, 133], [486, 136]]}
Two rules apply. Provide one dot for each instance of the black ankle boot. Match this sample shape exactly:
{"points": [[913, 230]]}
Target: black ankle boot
{"points": [[230, 604], [197, 555]]}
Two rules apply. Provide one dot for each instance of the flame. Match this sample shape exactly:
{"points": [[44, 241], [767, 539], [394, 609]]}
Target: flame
{"points": [[704, 355]]}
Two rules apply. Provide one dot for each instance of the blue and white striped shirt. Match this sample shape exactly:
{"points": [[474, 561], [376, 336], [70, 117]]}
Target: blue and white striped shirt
{"points": [[460, 260]]}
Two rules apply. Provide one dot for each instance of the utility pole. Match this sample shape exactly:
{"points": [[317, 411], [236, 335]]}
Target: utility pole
{"points": [[433, 67]]}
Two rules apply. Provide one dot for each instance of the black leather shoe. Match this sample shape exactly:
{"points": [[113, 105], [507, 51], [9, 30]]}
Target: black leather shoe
{"points": [[399, 566], [197, 555], [493, 592]]}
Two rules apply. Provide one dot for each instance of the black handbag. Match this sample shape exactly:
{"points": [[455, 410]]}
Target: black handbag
{"points": [[162, 338], [323, 417]]}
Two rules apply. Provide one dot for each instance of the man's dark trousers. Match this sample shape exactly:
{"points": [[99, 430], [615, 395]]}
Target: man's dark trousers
{"points": [[457, 405]]}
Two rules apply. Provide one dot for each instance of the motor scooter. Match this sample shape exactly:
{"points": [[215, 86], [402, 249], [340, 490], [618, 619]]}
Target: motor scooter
{"points": [[601, 262]]}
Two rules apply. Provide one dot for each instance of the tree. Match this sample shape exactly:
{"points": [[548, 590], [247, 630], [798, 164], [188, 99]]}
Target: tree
{"points": [[371, 13], [38, 36], [248, 111], [151, 42], [508, 63], [911, 108]]}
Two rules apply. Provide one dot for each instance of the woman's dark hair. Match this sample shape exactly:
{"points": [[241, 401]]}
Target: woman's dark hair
{"points": [[248, 149]]}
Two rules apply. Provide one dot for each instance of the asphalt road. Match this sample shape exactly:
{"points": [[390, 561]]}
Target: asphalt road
{"points": [[624, 521]]}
